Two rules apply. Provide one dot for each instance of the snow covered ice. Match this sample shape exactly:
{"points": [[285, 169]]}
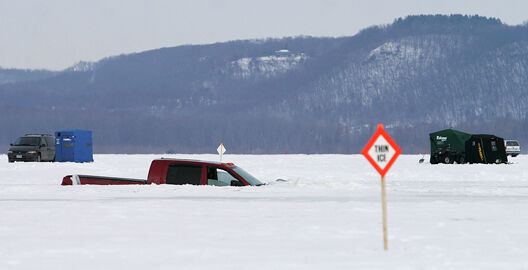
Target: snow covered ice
{"points": [[327, 216]]}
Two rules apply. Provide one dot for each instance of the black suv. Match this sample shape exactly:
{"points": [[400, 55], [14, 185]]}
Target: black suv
{"points": [[32, 147]]}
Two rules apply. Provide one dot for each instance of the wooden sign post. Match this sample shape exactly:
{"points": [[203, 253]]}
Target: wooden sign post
{"points": [[381, 151]]}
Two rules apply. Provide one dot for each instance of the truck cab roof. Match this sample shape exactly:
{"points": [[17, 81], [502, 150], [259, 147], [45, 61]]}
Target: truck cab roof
{"points": [[195, 161], [37, 135]]}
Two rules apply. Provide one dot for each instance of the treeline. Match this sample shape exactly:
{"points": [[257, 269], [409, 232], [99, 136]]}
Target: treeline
{"points": [[120, 132]]}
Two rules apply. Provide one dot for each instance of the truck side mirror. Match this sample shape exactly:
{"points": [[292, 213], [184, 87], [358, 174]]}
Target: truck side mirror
{"points": [[10, 144]]}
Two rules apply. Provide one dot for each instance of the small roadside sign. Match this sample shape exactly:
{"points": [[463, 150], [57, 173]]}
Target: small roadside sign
{"points": [[381, 151], [221, 150]]}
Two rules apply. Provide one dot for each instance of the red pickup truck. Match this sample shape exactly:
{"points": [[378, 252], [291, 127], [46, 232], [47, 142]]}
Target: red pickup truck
{"points": [[176, 172]]}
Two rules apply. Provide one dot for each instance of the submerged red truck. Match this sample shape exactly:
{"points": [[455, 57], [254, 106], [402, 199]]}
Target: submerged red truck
{"points": [[176, 172]]}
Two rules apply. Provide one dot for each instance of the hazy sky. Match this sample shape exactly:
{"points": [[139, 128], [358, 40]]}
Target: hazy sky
{"points": [[55, 34]]}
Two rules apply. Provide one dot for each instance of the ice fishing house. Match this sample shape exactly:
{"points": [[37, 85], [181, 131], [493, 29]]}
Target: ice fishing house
{"points": [[73, 145]]}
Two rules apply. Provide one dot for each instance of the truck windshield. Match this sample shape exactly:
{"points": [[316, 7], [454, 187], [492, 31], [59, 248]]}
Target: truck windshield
{"points": [[248, 177], [27, 141], [512, 143]]}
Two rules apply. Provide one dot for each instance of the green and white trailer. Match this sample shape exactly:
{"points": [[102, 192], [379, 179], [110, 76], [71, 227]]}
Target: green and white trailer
{"points": [[448, 146]]}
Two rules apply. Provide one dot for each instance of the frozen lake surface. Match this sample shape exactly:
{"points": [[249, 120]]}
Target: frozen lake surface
{"points": [[327, 216]]}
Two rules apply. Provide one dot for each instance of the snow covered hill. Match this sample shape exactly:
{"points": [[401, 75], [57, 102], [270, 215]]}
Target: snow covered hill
{"points": [[328, 216], [299, 95]]}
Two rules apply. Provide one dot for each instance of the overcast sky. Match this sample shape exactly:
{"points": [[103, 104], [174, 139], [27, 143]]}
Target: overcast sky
{"points": [[55, 34]]}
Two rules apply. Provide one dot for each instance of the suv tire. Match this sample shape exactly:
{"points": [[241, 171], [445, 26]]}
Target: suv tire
{"points": [[433, 160], [461, 160]]}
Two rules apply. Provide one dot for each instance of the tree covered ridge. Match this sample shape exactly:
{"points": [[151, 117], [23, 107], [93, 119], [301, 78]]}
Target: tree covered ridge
{"points": [[300, 94]]}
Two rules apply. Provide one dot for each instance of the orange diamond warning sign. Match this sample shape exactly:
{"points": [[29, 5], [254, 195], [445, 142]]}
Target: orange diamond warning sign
{"points": [[381, 151]]}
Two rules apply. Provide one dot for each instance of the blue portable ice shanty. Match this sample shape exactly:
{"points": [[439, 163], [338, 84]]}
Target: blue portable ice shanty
{"points": [[73, 145]]}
